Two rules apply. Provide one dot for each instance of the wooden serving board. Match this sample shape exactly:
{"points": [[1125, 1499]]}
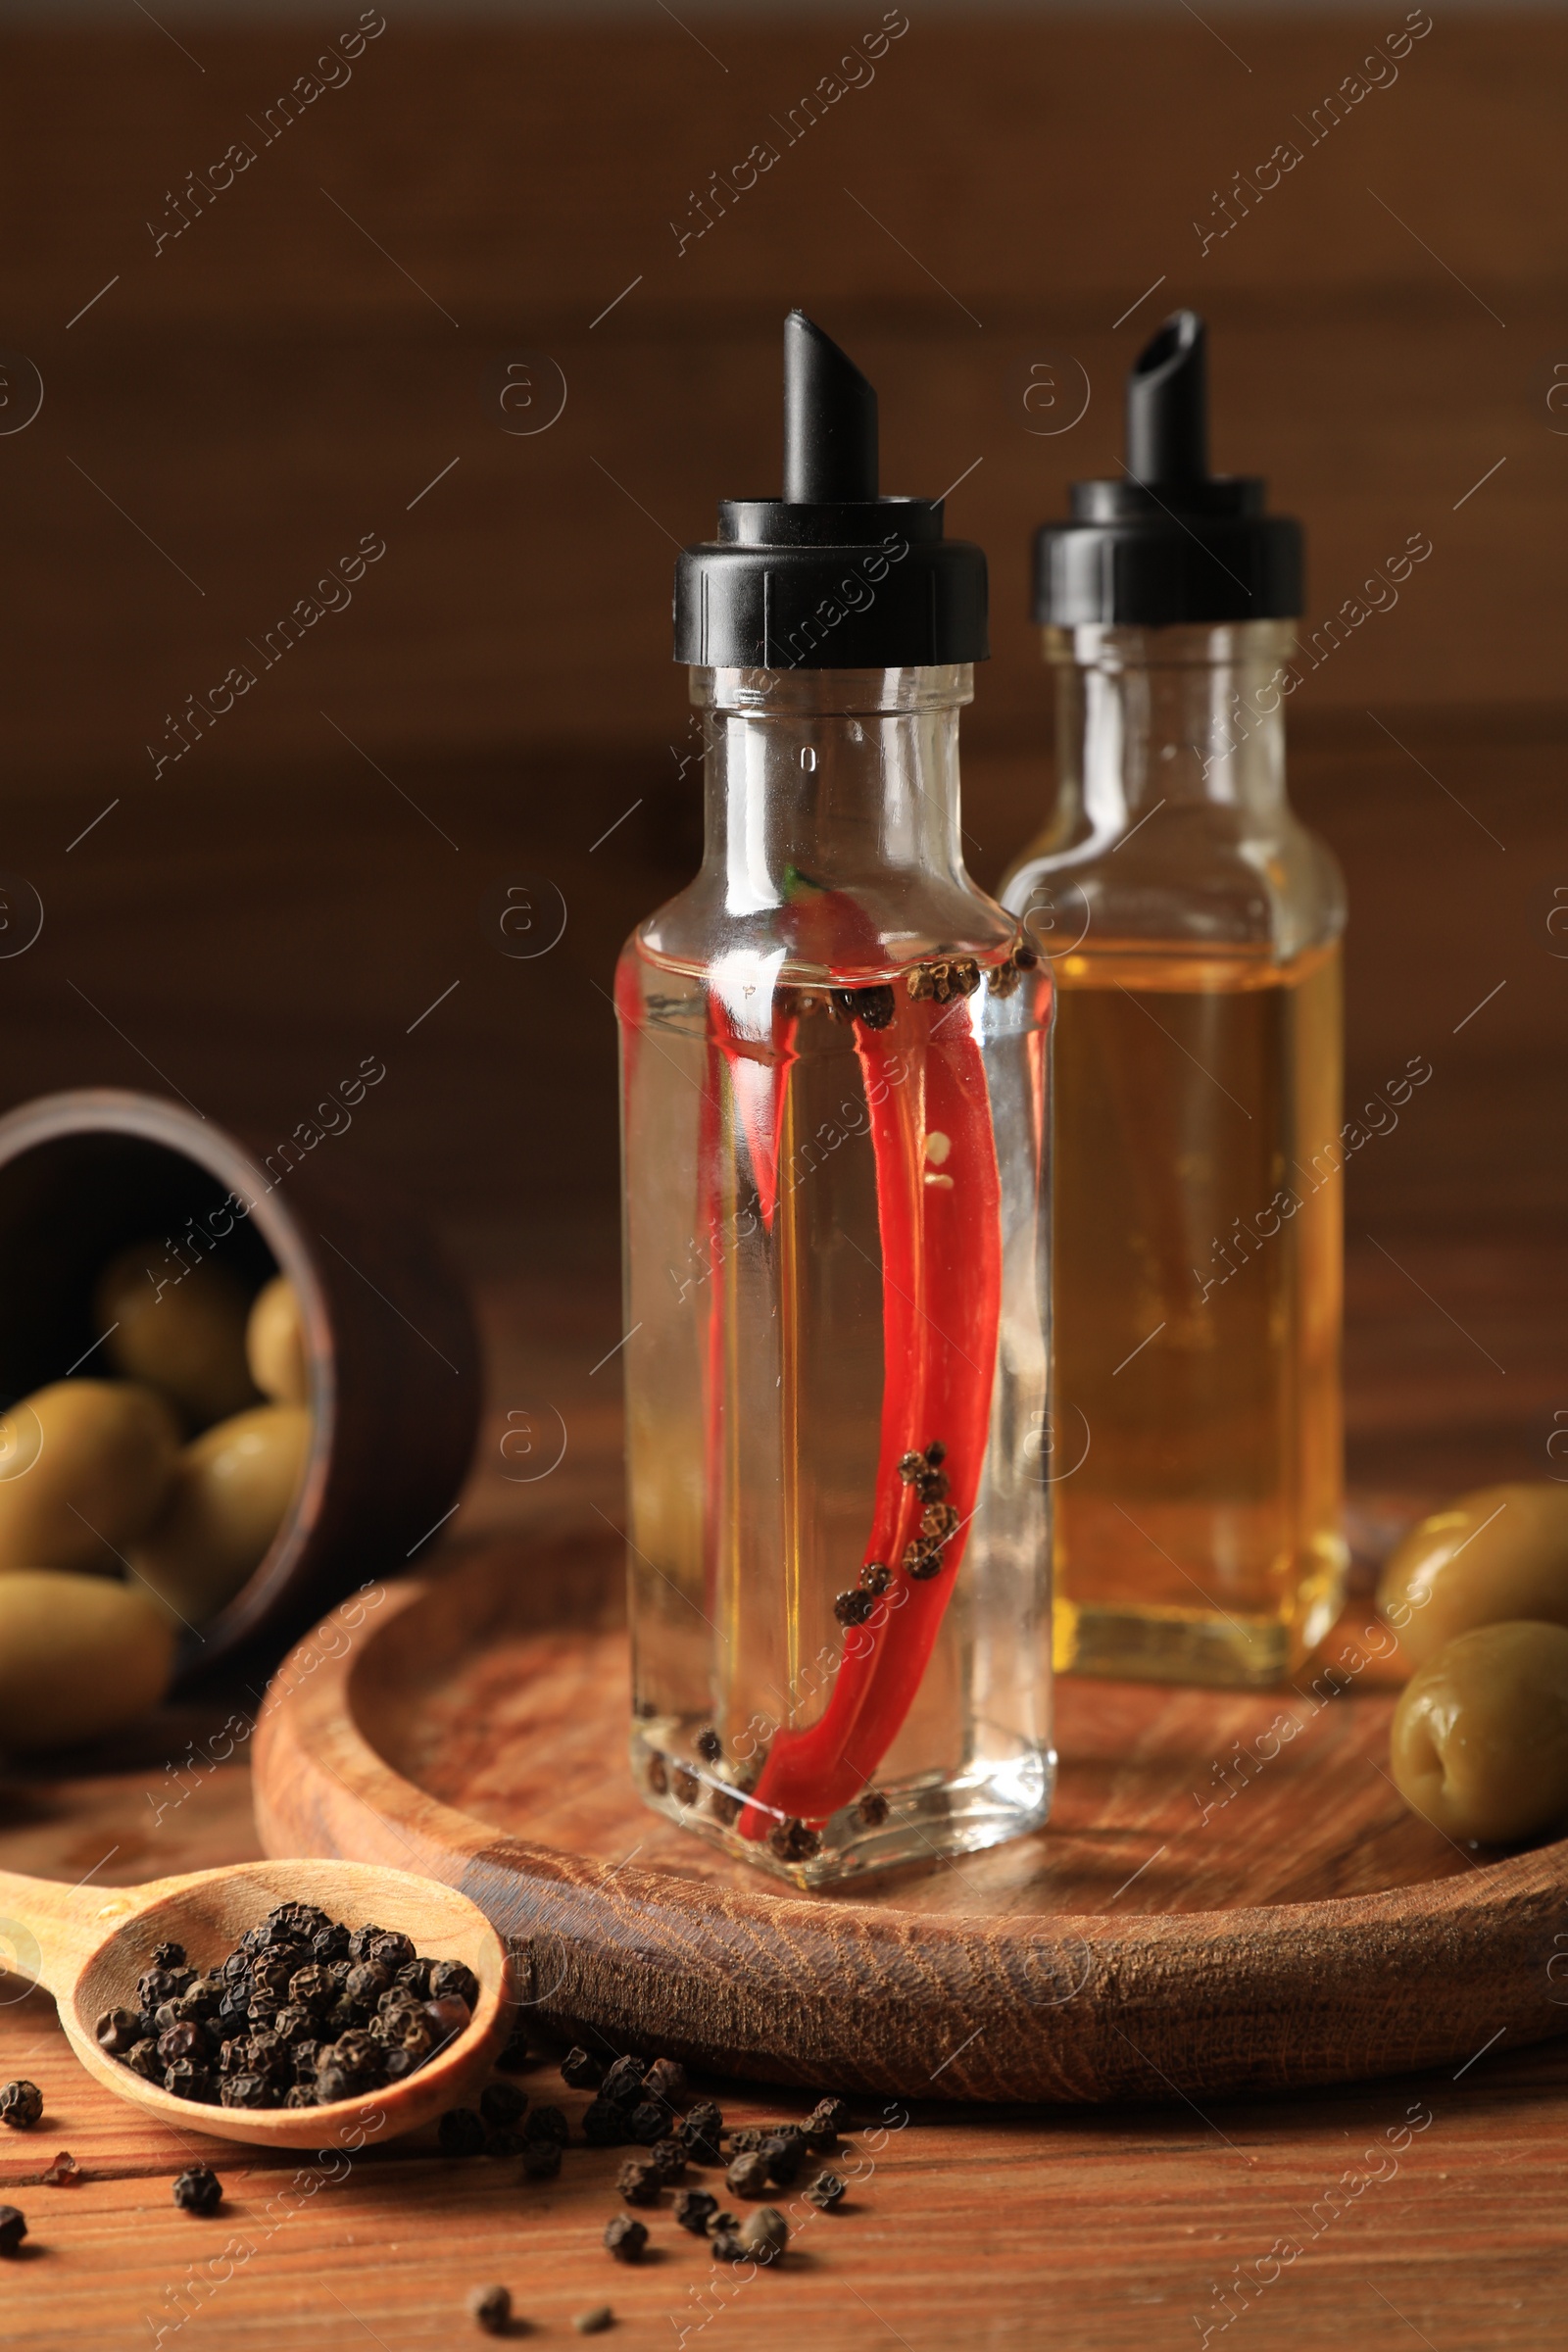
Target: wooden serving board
{"points": [[1218, 1902]]}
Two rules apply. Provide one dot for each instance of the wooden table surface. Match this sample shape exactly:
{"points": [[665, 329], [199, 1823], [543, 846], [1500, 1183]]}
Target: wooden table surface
{"points": [[1427, 2209]]}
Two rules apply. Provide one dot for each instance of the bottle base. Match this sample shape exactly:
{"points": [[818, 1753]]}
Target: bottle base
{"points": [[1154, 1644], [927, 1819]]}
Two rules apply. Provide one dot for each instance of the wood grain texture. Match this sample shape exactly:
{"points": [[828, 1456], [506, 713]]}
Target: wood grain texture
{"points": [[87, 1945], [478, 1725], [1088, 2229], [267, 385]]}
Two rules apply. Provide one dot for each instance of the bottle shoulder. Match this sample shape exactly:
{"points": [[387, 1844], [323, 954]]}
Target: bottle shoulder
{"points": [[874, 929], [1204, 874]]}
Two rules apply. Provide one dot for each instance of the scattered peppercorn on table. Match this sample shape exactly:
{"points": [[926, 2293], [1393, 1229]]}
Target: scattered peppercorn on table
{"points": [[1433, 2203]]}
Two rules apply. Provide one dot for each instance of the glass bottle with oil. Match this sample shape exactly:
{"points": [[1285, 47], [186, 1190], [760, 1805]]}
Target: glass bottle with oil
{"points": [[1193, 926]]}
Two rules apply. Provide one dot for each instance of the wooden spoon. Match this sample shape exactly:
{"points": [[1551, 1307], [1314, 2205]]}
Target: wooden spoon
{"points": [[88, 1945]]}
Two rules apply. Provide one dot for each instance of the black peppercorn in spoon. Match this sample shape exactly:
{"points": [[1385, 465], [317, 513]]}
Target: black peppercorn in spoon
{"points": [[87, 1945]]}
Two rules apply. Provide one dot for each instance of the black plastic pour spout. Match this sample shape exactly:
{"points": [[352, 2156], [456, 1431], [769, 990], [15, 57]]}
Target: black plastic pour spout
{"points": [[830, 451], [1166, 542], [831, 575], [1167, 405]]}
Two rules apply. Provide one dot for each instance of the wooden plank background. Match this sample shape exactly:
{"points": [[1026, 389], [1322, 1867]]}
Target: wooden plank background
{"points": [[321, 341], [269, 386]]}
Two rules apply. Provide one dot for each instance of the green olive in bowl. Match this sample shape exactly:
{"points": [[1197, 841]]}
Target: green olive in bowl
{"points": [[81, 1656], [276, 1345], [182, 1335], [1480, 1737], [85, 1467], [233, 1489], [1492, 1557]]}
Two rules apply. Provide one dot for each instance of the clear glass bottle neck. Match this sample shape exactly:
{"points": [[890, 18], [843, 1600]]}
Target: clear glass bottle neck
{"points": [[845, 778], [1160, 718]]}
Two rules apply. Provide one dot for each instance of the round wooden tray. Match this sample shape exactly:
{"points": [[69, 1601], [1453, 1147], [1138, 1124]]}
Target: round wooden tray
{"points": [[1215, 1905]]}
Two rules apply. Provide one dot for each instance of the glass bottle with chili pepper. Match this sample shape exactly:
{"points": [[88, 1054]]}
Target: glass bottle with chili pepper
{"points": [[834, 1069], [1193, 926]]}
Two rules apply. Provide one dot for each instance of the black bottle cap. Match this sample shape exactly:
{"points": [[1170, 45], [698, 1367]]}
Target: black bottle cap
{"points": [[1167, 541], [829, 576]]}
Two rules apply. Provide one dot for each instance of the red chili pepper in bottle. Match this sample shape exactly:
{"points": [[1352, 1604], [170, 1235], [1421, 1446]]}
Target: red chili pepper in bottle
{"points": [[939, 1220]]}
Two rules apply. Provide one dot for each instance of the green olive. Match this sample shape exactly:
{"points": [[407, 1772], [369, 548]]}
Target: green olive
{"points": [[1480, 1738], [80, 1656], [85, 1467], [181, 1332], [274, 1343], [233, 1489], [1498, 1554]]}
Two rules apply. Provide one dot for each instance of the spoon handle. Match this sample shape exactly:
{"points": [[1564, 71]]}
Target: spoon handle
{"points": [[47, 1929]]}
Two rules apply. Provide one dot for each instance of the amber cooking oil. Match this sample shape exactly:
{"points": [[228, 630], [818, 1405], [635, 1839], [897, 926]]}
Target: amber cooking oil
{"points": [[1198, 1284]]}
